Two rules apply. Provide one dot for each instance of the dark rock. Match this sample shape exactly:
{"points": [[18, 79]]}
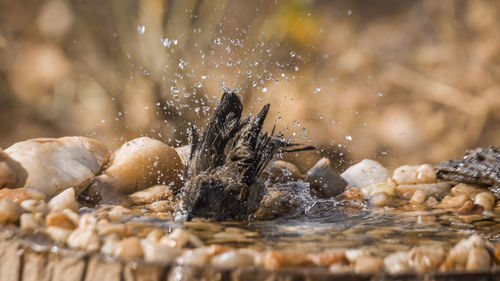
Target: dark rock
{"points": [[325, 182]]}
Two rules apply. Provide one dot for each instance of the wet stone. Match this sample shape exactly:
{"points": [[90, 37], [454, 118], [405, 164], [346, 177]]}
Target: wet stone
{"points": [[324, 180]]}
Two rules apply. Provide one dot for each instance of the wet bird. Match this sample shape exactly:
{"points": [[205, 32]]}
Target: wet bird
{"points": [[226, 161]]}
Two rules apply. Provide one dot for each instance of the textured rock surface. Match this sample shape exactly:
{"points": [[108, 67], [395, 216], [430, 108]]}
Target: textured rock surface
{"points": [[141, 163], [56, 164]]}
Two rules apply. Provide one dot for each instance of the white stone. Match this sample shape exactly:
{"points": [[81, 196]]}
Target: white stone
{"points": [[142, 163], [199, 256], [158, 252], [53, 165], [485, 199], [64, 200], [397, 262], [365, 173]]}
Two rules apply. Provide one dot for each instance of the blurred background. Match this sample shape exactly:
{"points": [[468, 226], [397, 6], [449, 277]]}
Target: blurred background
{"points": [[396, 81]]}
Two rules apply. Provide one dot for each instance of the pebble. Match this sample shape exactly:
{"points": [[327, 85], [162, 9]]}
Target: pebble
{"points": [[34, 206], [470, 208], [397, 263], [368, 264], [324, 180], [406, 191], [118, 213], [110, 244], [478, 259], [84, 239], [158, 252], [276, 260], [425, 258], [58, 234], [142, 163], [12, 174], [179, 238], [64, 200], [458, 256], [233, 258], [129, 248], [453, 201], [30, 222], [60, 219], [53, 165], [381, 199], [387, 187], [365, 173], [467, 189], [485, 200], [10, 211], [415, 174], [151, 194]]}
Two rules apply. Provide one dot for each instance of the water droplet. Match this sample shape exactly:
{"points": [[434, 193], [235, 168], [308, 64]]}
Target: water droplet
{"points": [[349, 138], [317, 90], [349, 12], [380, 94], [292, 54], [264, 89], [141, 29], [296, 68]]}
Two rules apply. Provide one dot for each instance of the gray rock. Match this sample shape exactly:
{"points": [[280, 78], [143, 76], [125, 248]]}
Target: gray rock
{"points": [[324, 180]]}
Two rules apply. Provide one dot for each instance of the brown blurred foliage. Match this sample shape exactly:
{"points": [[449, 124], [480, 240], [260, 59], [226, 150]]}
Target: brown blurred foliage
{"points": [[397, 81]]}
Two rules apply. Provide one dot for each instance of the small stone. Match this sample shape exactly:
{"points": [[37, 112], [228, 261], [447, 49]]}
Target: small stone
{"points": [[479, 259], [276, 260], [415, 174], [386, 187], [485, 200], [12, 174], [110, 244], [31, 222], [467, 189], [418, 197], [20, 194], [324, 180], [397, 263], [84, 239], [234, 258], [10, 211], [425, 258], [141, 163], [406, 191], [53, 165], [158, 252], [35, 206], [281, 171], [61, 220], [453, 201], [129, 248], [458, 256], [64, 200], [368, 264], [151, 194], [327, 258], [365, 173], [470, 208], [58, 234], [381, 199]]}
